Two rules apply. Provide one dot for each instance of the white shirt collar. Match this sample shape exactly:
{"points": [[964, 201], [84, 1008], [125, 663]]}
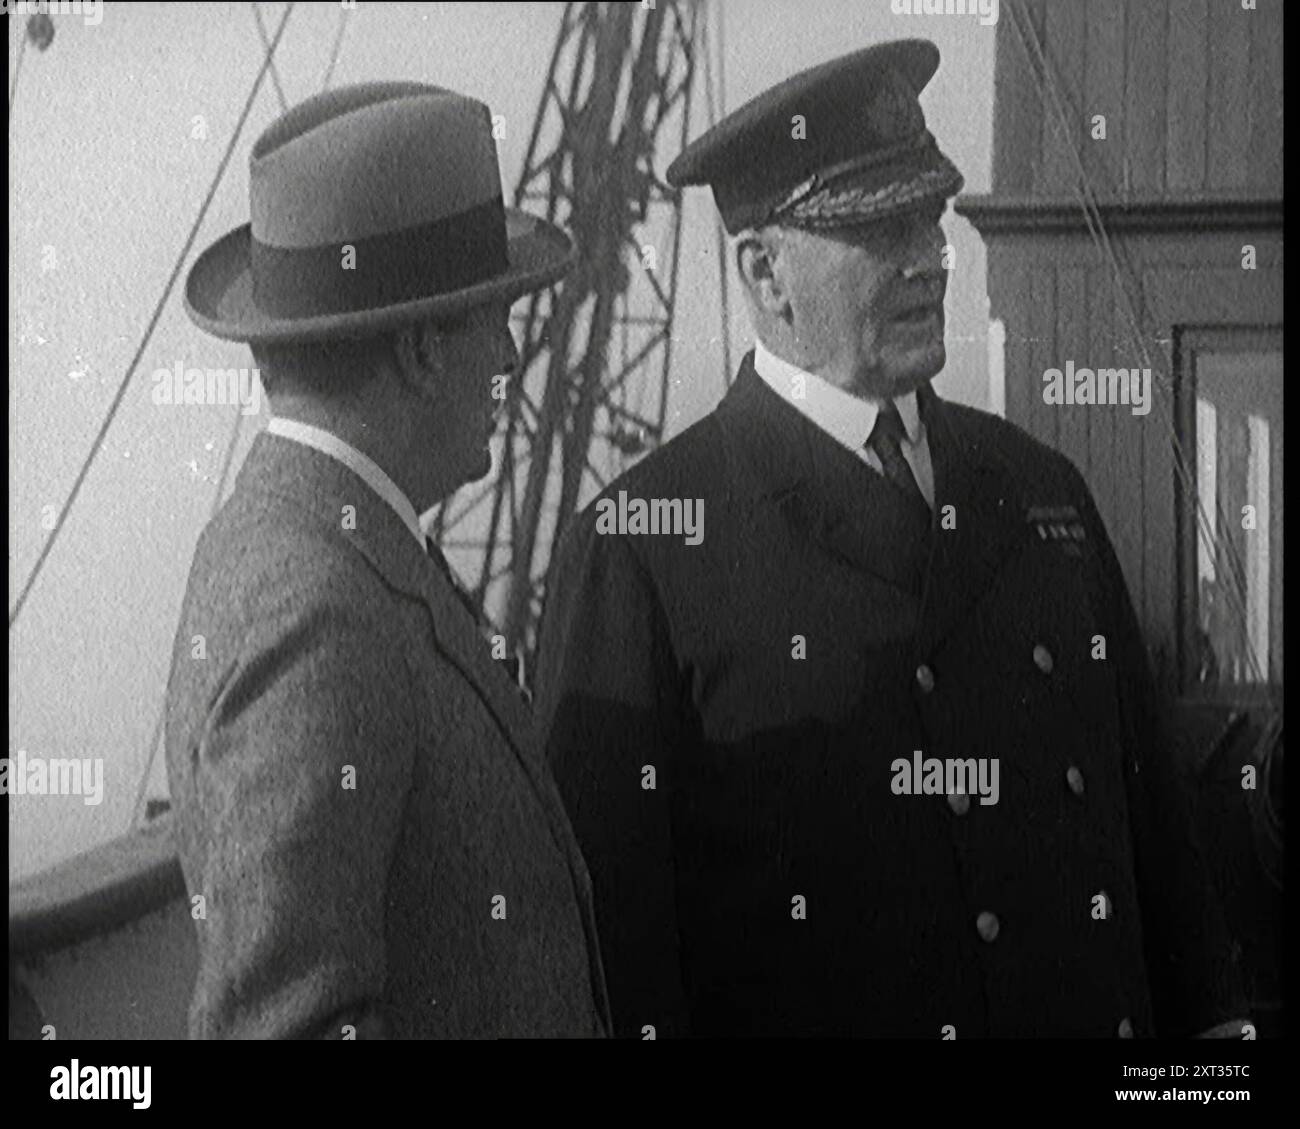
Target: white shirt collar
{"points": [[362, 466], [845, 417]]}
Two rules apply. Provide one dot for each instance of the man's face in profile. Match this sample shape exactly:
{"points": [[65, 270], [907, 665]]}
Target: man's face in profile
{"points": [[464, 358], [877, 333]]}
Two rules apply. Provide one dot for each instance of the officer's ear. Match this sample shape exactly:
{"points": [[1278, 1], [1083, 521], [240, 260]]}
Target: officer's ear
{"points": [[758, 258]]}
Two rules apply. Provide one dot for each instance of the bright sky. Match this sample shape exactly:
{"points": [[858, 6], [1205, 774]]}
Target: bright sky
{"points": [[115, 135]]}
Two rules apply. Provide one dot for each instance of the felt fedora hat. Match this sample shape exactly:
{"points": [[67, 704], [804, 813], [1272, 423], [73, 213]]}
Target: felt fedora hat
{"points": [[842, 144], [372, 206]]}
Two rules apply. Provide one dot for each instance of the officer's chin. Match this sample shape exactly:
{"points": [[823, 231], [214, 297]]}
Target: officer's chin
{"points": [[915, 366]]}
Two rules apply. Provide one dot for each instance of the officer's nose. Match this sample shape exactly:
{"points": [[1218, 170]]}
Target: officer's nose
{"points": [[924, 257]]}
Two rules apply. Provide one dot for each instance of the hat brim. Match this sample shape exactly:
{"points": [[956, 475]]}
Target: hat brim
{"points": [[219, 289]]}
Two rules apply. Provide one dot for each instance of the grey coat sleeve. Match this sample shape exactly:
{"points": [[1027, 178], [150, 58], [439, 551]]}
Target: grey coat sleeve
{"points": [[301, 776]]}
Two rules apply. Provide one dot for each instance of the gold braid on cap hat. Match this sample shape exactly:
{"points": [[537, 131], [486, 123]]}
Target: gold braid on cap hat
{"points": [[832, 207], [820, 201]]}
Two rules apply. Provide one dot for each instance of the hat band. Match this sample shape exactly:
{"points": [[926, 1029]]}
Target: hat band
{"points": [[440, 257]]}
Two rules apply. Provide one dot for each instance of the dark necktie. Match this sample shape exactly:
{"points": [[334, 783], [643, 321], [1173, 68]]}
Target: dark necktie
{"points": [[886, 440]]}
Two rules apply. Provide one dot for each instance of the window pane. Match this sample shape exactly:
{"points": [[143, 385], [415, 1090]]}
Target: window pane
{"points": [[1236, 630], [1207, 439], [1257, 579]]}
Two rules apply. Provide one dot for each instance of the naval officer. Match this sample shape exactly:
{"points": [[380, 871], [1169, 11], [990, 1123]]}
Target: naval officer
{"points": [[884, 579]]}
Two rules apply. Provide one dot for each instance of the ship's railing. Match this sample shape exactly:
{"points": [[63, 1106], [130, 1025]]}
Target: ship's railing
{"points": [[97, 891]]}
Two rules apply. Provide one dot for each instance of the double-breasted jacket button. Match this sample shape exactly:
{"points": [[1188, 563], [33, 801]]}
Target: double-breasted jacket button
{"points": [[987, 926], [1074, 778], [1125, 1030], [959, 802], [1043, 659], [925, 678]]}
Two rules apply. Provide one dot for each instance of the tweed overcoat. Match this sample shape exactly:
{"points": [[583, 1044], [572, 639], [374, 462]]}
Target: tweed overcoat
{"points": [[378, 844]]}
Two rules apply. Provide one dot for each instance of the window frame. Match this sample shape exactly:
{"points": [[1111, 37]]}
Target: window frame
{"points": [[1190, 342]]}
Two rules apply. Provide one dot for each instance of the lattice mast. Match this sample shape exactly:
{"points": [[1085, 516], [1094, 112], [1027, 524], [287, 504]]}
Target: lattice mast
{"points": [[596, 353]]}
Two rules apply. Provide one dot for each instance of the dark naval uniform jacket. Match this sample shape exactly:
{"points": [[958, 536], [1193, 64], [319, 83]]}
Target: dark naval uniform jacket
{"points": [[766, 878]]}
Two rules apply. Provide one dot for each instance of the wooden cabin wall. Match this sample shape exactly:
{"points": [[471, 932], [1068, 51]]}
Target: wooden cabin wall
{"points": [[1192, 95], [1060, 301], [1191, 91]]}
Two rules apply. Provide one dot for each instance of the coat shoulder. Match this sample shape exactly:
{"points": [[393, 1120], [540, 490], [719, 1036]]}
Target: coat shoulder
{"points": [[688, 461], [256, 560], [1026, 457], [688, 465]]}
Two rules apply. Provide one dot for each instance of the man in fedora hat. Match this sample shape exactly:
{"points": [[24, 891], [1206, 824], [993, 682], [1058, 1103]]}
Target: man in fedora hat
{"points": [[853, 766], [370, 840]]}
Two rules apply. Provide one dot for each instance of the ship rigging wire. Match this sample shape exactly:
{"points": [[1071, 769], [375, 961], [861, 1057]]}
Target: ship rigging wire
{"points": [[161, 304]]}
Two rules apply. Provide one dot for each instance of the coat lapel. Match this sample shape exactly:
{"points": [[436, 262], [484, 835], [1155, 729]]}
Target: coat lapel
{"points": [[459, 640], [971, 476], [858, 516], [826, 493]]}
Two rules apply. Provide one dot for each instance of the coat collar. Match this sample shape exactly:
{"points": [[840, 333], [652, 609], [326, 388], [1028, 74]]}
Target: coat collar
{"points": [[844, 416], [825, 491], [786, 460], [356, 461]]}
